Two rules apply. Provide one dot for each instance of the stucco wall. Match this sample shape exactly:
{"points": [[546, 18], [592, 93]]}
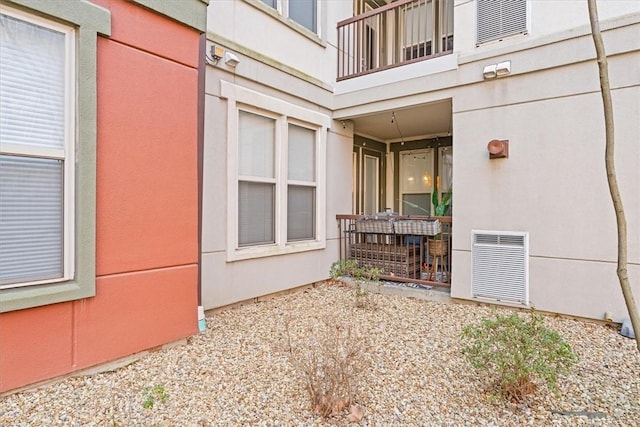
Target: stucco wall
{"points": [[254, 26], [147, 234], [553, 185], [223, 281]]}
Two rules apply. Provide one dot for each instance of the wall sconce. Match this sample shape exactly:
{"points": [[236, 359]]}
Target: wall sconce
{"points": [[496, 70], [231, 59], [498, 149]]}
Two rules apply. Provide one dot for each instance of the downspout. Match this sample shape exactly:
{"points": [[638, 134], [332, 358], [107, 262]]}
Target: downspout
{"points": [[202, 70]]}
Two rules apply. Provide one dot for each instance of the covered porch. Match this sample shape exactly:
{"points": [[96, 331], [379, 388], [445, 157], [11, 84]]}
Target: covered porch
{"points": [[415, 249], [402, 185]]}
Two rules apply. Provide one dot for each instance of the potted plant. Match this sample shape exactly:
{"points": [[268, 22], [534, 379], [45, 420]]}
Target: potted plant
{"points": [[441, 205]]}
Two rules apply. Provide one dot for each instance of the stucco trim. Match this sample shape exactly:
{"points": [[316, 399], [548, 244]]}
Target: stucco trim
{"points": [[189, 12]]}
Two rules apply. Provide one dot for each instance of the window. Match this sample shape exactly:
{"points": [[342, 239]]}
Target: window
{"points": [[500, 18], [304, 12], [36, 150], [47, 224], [276, 167]]}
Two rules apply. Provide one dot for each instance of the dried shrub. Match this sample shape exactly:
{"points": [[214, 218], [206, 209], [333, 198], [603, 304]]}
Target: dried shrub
{"points": [[331, 362], [518, 353]]}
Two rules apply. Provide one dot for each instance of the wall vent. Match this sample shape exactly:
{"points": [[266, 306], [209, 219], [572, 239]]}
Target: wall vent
{"points": [[500, 266]]}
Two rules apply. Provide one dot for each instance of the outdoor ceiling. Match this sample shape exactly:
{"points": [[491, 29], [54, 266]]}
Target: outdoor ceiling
{"points": [[427, 119]]}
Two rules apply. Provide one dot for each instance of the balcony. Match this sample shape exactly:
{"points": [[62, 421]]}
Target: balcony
{"points": [[399, 33], [407, 249]]}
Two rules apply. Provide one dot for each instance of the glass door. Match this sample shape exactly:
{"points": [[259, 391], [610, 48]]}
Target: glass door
{"points": [[416, 181]]}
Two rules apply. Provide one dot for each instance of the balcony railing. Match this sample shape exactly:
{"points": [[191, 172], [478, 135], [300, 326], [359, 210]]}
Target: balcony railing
{"points": [[399, 33], [402, 249]]}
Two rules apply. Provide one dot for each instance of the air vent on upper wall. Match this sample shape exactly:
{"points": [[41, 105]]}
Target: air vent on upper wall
{"points": [[500, 268]]}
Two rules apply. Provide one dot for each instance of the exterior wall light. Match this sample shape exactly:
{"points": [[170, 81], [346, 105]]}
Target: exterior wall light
{"points": [[489, 71], [503, 68], [496, 70], [231, 59], [498, 149]]}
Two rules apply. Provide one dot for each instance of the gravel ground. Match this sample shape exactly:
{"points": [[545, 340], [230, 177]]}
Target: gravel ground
{"points": [[239, 372]]}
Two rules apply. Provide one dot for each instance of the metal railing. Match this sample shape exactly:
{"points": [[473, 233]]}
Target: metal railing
{"points": [[403, 257], [398, 33]]}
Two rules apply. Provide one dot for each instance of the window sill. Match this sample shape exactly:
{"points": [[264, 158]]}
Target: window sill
{"points": [[38, 295], [273, 250]]}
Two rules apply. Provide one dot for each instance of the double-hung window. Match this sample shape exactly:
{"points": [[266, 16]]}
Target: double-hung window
{"points": [[36, 150], [47, 150], [276, 193], [304, 12]]}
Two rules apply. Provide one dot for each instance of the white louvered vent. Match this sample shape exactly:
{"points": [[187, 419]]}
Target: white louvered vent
{"points": [[500, 266], [500, 18]]}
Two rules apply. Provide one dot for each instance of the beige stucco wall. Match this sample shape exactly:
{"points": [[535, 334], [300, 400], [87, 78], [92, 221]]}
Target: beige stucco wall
{"points": [[223, 281], [251, 24], [553, 185]]}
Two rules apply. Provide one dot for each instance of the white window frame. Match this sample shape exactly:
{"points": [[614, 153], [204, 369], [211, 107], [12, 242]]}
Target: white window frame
{"points": [[282, 9], [243, 99], [66, 154]]}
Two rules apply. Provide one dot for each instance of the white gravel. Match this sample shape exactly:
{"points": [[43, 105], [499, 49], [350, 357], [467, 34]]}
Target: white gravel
{"points": [[238, 373]]}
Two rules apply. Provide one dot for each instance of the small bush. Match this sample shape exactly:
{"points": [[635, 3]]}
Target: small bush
{"points": [[331, 363], [154, 394], [518, 352], [360, 274]]}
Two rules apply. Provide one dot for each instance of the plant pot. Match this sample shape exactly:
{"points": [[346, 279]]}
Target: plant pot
{"points": [[438, 247]]}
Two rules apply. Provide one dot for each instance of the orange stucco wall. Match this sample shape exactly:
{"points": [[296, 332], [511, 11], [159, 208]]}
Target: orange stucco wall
{"points": [[147, 201]]}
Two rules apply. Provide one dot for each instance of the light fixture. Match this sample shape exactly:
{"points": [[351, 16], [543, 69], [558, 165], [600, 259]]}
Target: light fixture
{"points": [[496, 70], [231, 59], [503, 68], [489, 72], [498, 149], [216, 52]]}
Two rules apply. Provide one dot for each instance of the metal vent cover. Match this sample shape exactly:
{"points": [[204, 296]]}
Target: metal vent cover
{"points": [[500, 18], [500, 268]]}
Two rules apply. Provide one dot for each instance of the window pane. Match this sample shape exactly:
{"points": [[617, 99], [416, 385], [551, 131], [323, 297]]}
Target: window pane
{"points": [[32, 84], [445, 168], [304, 13], [302, 154], [416, 204], [256, 145], [271, 3], [256, 213], [301, 207], [371, 173], [31, 216]]}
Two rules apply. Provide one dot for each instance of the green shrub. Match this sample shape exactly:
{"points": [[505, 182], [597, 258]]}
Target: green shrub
{"points": [[153, 395], [350, 267], [360, 274], [517, 352], [342, 267]]}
